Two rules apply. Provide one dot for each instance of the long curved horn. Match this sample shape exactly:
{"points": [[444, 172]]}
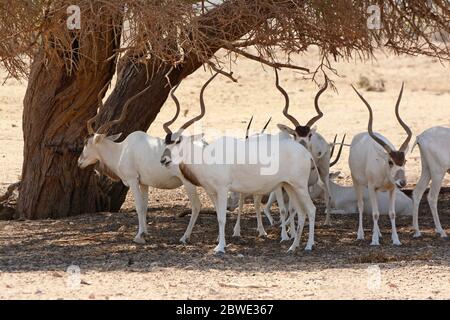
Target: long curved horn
{"points": [[265, 127], [339, 152], [105, 127], [316, 104], [202, 104], [402, 123], [369, 126], [286, 97], [334, 144], [177, 103], [248, 128], [100, 107]]}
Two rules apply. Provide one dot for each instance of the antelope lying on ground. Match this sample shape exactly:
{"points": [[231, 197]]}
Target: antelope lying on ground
{"points": [[135, 161], [434, 146], [219, 178], [374, 163]]}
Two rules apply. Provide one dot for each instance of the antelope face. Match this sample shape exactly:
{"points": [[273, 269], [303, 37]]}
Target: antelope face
{"points": [[173, 151], [301, 134], [90, 154], [395, 168]]}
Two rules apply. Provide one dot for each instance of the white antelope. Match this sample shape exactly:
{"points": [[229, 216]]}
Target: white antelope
{"points": [[374, 163], [434, 146], [136, 162], [218, 178], [343, 199], [311, 139]]}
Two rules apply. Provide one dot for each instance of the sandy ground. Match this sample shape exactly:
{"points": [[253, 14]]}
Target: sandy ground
{"points": [[34, 256]]}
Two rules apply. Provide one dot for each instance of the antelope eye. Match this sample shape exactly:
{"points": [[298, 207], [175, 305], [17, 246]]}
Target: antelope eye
{"points": [[178, 142], [391, 164]]}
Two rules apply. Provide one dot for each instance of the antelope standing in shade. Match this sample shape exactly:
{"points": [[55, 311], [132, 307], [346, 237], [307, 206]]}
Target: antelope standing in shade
{"points": [[218, 179], [434, 146], [136, 162], [375, 163], [236, 200], [311, 139], [344, 200]]}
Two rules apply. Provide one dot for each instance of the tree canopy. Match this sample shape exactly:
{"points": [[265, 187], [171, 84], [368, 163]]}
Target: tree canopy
{"points": [[179, 31]]}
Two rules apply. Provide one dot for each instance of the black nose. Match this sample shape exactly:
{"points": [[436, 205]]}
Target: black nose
{"points": [[401, 184]]}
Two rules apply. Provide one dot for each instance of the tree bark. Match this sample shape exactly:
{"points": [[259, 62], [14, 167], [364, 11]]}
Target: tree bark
{"points": [[56, 108]]}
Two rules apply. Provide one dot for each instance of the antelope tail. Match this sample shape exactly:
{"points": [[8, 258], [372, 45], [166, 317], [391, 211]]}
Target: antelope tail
{"points": [[416, 142]]}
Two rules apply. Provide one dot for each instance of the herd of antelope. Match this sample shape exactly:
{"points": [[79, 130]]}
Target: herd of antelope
{"points": [[377, 170]]}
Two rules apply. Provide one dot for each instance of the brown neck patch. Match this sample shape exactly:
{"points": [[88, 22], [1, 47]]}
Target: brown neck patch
{"points": [[101, 168], [189, 175], [398, 157]]}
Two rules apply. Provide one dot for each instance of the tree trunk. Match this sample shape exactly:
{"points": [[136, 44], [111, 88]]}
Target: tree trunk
{"points": [[56, 108]]}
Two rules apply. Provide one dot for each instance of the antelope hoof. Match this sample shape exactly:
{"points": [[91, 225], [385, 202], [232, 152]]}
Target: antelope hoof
{"points": [[417, 234], [360, 235], [184, 240], [396, 242], [262, 234], [139, 240], [219, 250], [237, 234], [375, 243], [308, 248], [291, 250]]}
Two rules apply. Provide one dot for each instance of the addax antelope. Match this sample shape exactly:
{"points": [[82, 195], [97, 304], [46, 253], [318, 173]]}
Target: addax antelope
{"points": [[311, 139], [344, 200], [375, 163], [289, 166], [434, 146], [136, 162]]}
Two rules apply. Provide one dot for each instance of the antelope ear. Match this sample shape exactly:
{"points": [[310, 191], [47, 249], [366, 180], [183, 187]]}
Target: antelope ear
{"points": [[114, 137], [286, 129], [98, 137]]}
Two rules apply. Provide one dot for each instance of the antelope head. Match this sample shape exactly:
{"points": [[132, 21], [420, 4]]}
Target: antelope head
{"points": [[96, 139], [395, 160], [176, 142], [301, 134]]}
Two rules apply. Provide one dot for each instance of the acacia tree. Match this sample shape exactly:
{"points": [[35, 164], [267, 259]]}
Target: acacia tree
{"points": [[141, 41]]}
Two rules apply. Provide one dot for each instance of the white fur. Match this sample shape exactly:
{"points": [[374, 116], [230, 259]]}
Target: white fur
{"points": [[344, 200], [219, 179], [434, 146], [136, 161], [369, 168]]}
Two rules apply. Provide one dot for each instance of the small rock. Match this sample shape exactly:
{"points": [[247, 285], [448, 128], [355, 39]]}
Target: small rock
{"points": [[240, 255], [92, 296], [154, 264], [122, 229]]}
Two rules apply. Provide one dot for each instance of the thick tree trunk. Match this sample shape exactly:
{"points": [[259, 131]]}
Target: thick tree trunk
{"points": [[56, 108]]}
